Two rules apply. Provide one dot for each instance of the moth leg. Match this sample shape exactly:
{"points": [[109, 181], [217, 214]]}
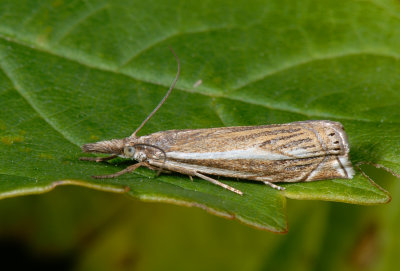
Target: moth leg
{"points": [[277, 187], [159, 170], [267, 181], [98, 159], [189, 172], [126, 170], [211, 180], [191, 178]]}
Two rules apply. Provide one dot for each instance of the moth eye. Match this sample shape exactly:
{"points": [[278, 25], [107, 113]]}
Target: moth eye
{"points": [[129, 151]]}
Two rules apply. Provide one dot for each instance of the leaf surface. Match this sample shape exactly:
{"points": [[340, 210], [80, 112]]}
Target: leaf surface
{"points": [[80, 71]]}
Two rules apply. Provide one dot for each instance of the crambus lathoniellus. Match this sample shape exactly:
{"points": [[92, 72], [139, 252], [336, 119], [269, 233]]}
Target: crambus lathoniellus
{"points": [[294, 152]]}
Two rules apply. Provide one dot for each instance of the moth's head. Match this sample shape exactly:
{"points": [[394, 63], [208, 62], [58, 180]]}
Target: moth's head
{"points": [[113, 146], [129, 152]]}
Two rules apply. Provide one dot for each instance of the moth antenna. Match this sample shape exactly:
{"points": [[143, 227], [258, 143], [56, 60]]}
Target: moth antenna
{"points": [[165, 97]]}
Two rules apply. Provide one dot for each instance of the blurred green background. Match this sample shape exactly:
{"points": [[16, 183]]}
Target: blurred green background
{"points": [[65, 65]]}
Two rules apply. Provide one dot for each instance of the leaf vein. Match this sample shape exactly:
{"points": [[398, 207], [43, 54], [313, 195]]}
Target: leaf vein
{"points": [[26, 97]]}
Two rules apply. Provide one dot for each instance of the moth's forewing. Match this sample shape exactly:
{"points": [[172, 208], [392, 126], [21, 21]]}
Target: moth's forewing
{"points": [[298, 151]]}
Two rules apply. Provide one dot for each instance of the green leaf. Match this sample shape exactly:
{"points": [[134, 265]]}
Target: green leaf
{"points": [[79, 71]]}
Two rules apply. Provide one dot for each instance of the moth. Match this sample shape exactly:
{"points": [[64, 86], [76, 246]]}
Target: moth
{"points": [[301, 151]]}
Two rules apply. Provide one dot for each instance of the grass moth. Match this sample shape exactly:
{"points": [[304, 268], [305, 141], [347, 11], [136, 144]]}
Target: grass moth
{"points": [[301, 151]]}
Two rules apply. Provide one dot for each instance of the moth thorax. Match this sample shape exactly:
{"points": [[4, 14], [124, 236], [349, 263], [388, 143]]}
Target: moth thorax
{"points": [[140, 156], [158, 155]]}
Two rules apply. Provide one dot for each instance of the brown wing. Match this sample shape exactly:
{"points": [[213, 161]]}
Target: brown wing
{"points": [[296, 151]]}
